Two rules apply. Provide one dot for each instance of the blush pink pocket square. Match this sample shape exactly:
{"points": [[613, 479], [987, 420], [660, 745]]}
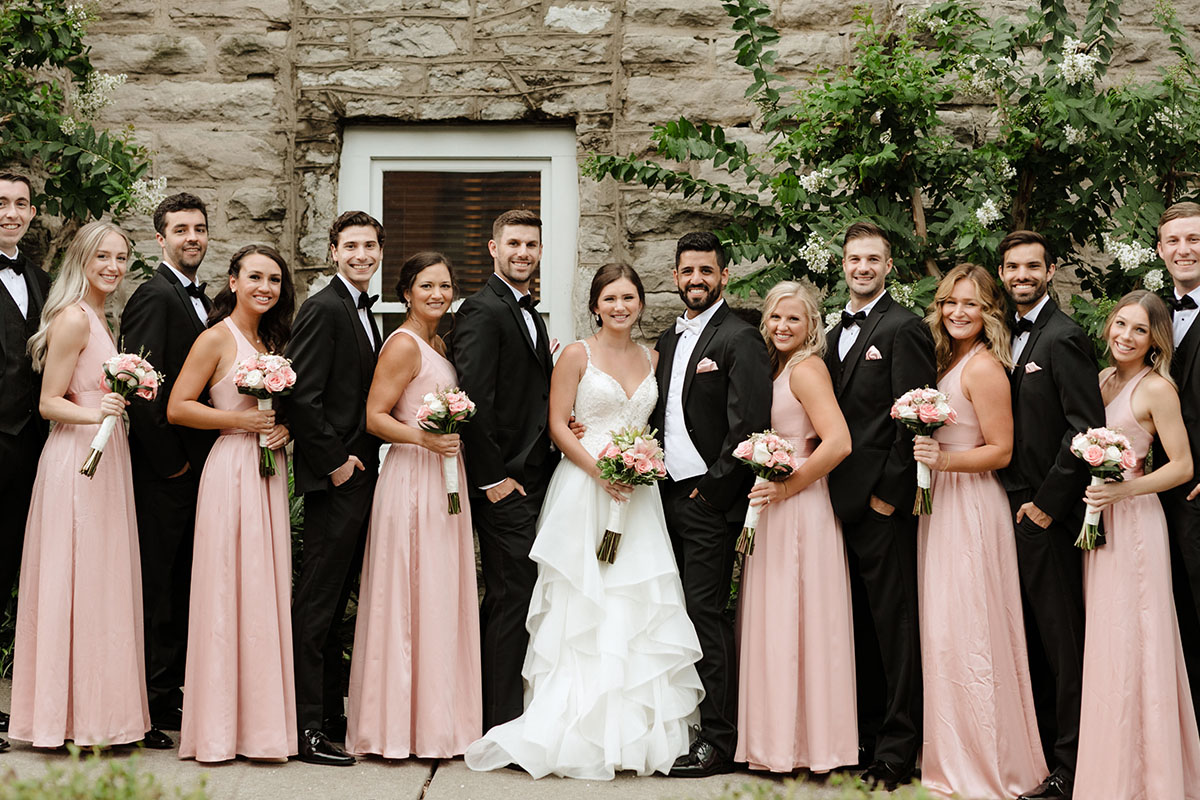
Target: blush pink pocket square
{"points": [[873, 353], [1032, 367], [706, 365]]}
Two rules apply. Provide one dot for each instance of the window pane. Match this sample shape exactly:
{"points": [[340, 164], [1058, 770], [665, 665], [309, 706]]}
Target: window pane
{"points": [[450, 212]]}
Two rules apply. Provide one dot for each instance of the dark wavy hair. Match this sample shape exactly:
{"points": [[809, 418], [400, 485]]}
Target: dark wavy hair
{"points": [[183, 201], [700, 242], [610, 273], [417, 262], [275, 327]]}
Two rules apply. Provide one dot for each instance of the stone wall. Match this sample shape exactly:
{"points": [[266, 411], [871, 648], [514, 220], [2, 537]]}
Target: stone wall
{"points": [[245, 102]]}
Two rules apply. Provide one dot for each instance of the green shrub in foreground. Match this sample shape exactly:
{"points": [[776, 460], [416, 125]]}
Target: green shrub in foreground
{"points": [[93, 778]]}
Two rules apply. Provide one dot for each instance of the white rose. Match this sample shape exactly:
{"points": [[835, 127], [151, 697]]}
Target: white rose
{"points": [[254, 379], [761, 453], [437, 407], [1113, 453], [908, 412]]}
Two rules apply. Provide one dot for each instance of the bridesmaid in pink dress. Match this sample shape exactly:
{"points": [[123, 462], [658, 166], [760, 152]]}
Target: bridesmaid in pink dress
{"points": [[239, 693], [415, 684], [78, 671], [1137, 729], [796, 695], [981, 738]]}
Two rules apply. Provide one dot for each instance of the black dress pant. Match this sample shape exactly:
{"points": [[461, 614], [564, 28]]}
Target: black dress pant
{"points": [[1183, 524], [166, 517], [882, 554], [1051, 570], [703, 539], [18, 468], [335, 532], [506, 531]]}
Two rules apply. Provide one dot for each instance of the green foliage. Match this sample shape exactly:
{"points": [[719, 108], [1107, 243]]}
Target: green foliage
{"points": [[96, 778], [1067, 153]]}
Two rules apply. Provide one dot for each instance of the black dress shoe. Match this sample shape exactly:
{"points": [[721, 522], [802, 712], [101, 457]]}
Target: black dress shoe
{"points": [[1055, 787], [4, 745], [701, 760], [315, 748], [335, 728], [157, 740], [882, 774], [167, 719], [3, 722]]}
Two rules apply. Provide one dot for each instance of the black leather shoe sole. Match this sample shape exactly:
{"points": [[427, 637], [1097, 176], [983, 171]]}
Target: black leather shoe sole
{"points": [[719, 767], [157, 740], [327, 759]]}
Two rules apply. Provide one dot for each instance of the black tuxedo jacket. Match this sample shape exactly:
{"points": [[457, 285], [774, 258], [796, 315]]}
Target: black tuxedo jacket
{"points": [[1055, 395], [21, 385], [160, 321], [1185, 369], [721, 408], [327, 410], [881, 461], [508, 378]]}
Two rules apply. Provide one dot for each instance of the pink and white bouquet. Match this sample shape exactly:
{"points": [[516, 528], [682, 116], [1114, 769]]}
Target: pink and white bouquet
{"points": [[124, 374], [1107, 454], [442, 412], [923, 411], [265, 376], [632, 457], [772, 458]]}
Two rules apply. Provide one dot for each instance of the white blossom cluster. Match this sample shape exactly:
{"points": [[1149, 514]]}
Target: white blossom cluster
{"points": [[1129, 255], [68, 125], [932, 22], [77, 16], [832, 318], [145, 195], [1074, 135], [816, 254], [1007, 170], [1153, 280], [886, 136], [974, 73], [902, 293], [1170, 120], [96, 93], [987, 213], [815, 180], [1076, 66]]}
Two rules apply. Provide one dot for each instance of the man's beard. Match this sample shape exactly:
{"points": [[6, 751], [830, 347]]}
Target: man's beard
{"points": [[702, 304]]}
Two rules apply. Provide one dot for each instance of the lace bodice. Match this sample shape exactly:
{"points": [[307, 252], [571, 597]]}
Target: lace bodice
{"points": [[601, 404]]}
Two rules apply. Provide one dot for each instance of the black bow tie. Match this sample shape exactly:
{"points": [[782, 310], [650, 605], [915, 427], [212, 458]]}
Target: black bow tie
{"points": [[526, 302], [17, 264], [1184, 303], [366, 301], [849, 319], [196, 290], [1023, 325]]}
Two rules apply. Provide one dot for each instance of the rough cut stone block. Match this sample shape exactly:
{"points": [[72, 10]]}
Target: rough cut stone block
{"points": [[250, 53], [568, 102], [257, 202], [459, 8], [206, 156], [247, 13], [455, 79], [654, 99], [402, 79], [503, 109], [544, 52], [828, 14], [676, 13], [197, 103], [659, 48], [157, 53], [406, 39]]}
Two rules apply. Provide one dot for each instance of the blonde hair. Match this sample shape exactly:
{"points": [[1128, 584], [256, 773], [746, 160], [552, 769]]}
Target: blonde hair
{"points": [[1162, 336], [995, 334], [71, 286], [814, 340]]}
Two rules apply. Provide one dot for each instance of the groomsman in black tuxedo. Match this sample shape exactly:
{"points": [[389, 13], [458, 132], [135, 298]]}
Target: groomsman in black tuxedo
{"points": [[714, 390], [162, 319], [879, 351], [1179, 247], [501, 351], [333, 349], [23, 288], [1055, 395]]}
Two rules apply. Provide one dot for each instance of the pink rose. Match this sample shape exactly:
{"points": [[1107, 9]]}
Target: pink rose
{"points": [[628, 459], [743, 450], [289, 375], [1094, 455], [150, 381], [643, 466], [927, 413], [610, 451], [423, 413], [1128, 459], [275, 382], [457, 405], [146, 393]]}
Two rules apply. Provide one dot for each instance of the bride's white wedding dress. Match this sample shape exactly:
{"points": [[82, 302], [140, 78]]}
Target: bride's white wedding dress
{"points": [[610, 681]]}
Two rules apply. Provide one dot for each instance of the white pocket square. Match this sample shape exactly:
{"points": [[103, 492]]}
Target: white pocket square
{"points": [[1032, 367], [873, 353], [706, 365]]}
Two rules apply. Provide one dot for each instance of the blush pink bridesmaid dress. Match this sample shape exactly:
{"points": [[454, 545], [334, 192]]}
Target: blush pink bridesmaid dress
{"points": [[239, 694], [78, 665]]}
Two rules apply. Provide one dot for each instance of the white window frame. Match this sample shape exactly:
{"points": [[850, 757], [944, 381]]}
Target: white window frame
{"points": [[369, 152]]}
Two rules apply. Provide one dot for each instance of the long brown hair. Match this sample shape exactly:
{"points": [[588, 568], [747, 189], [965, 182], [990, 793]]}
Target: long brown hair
{"points": [[1162, 335], [995, 333], [275, 325]]}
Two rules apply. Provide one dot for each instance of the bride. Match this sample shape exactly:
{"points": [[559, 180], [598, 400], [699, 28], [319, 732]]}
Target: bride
{"points": [[610, 681]]}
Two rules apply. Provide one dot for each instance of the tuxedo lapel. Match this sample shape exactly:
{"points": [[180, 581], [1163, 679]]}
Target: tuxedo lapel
{"points": [[706, 336], [867, 327], [184, 298], [36, 299], [504, 292], [366, 353], [1185, 355], [1034, 334]]}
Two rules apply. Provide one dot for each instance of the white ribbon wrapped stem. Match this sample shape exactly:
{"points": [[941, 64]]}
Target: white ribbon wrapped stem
{"points": [[106, 428], [1093, 514], [264, 404], [924, 476]]}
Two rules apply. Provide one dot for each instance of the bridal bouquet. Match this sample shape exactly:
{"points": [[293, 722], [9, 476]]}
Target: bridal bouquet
{"points": [[633, 457], [442, 412], [124, 374], [1108, 454], [265, 376], [772, 458], [923, 411]]}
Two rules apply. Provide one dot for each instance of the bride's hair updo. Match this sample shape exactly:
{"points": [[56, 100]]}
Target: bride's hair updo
{"points": [[606, 275]]}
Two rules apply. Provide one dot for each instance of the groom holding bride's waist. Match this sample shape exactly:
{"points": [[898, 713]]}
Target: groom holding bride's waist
{"points": [[714, 390]]}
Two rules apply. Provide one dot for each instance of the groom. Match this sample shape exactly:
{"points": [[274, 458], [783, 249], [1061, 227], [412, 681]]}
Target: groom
{"points": [[714, 390]]}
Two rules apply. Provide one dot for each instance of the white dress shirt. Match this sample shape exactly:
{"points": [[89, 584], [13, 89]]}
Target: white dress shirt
{"points": [[1181, 321], [850, 335], [196, 302], [363, 315], [525, 314], [683, 460], [1019, 341], [15, 284]]}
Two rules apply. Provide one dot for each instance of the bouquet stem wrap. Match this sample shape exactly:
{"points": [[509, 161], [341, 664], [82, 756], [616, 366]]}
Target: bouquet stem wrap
{"points": [[612, 532], [1091, 523], [923, 503], [98, 442], [450, 477], [266, 461], [745, 540]]}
